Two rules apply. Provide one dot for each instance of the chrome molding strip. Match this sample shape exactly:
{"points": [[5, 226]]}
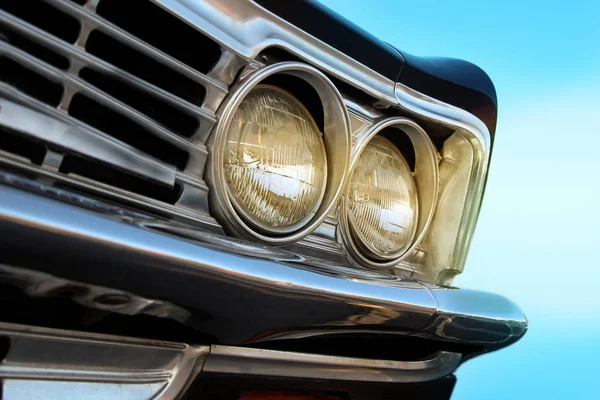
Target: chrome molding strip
{"points": [[59, 364], [202, 273], [65, 364], [232, 360]]}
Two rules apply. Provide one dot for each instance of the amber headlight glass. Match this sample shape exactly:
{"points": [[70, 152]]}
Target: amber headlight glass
{"points": [[382, 200], [275, 161]]}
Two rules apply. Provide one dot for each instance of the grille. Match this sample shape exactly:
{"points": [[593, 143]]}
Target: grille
{"points": [[130, 106]]}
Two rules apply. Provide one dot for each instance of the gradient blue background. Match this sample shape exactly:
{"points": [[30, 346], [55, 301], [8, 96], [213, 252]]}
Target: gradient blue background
{"points": [[537, 240]]}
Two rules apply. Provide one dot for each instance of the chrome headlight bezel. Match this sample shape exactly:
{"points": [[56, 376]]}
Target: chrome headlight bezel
{"points": [[426, 177], [336, 136]]}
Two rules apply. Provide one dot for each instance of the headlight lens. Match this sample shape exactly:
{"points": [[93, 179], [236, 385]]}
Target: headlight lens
{"points": [[275, 161], [382, 200]]}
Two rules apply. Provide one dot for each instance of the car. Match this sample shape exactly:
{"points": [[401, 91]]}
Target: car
{"points": [[236, 199]]}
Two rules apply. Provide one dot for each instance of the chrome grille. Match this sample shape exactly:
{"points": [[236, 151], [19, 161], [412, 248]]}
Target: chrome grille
{"points": [[132, 108]]}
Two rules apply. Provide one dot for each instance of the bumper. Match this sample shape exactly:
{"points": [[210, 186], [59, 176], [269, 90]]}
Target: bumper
{"points": [[235, 291], [65, 364]]}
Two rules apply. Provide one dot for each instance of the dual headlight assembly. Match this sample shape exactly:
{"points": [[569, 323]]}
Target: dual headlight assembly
{"points": [[276, 170]]}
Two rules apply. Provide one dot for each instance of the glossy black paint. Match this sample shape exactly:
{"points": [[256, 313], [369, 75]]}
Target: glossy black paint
{"points": [[453, 81]]}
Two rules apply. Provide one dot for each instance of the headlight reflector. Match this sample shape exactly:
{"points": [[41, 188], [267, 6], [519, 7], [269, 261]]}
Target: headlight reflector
{"points": [[382, 200], [275, 162]]}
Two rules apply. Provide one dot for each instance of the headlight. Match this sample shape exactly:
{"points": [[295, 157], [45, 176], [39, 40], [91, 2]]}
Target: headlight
{"points": [[274, 173], [388, 207], [382, 200], [275, 162]]}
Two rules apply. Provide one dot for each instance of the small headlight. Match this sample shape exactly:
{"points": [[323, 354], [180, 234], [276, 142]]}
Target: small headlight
{"points": [[382, 200], [275, 162]]}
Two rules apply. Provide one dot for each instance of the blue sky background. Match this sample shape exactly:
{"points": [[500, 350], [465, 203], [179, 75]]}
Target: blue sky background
{"points": [[538, 236]]}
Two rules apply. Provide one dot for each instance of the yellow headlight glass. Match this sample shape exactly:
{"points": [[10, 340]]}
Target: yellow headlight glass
{"points": [[382, 199], [275, 161]]}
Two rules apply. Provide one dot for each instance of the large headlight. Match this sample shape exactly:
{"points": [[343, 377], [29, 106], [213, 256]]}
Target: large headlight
{"points": [[275, 162], [274, 172], [382, 200]]}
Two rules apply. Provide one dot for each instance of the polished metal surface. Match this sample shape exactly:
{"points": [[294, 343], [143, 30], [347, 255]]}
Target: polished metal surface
{"points": [[142, 203], [53, 127], [478, 136], [250, 361], [39, 284], [482, 319], [426, 180], [60, 364], [83, 59], [78, 85], [215, 89], [280, 290], [246, 29], [336, 136], [95, 144], [57, 364]]}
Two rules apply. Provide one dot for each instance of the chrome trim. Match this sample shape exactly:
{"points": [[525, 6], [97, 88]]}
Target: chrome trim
{"points": [[478, 135], [84, 59], [97, 188], [40, 284], [69, 237], [426, 179], [250, 361], [59, 364], [66, 364], [53, 127], [336, 136], [215, 89], [247, 29], [490, 321], [77, 85]]}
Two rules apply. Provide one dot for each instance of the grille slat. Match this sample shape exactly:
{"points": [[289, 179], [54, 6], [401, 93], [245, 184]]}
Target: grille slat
{"points": [[107, 191], [128, 97], [90, 61], [81, 86], [44, 124], [119, 34]]}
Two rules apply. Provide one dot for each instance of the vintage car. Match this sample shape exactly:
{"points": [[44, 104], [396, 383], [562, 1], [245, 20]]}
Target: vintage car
{"points": [[235, 199]]}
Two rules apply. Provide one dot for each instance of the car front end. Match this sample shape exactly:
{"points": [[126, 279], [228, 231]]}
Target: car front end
{"points": [[235, 200]]}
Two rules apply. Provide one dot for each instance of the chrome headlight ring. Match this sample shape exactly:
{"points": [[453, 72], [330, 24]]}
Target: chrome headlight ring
{"points": [[336, 137], [426, 181]]}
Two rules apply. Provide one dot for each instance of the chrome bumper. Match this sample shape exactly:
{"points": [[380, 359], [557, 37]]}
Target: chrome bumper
{"points": [[235, 291], [64, 364]]}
